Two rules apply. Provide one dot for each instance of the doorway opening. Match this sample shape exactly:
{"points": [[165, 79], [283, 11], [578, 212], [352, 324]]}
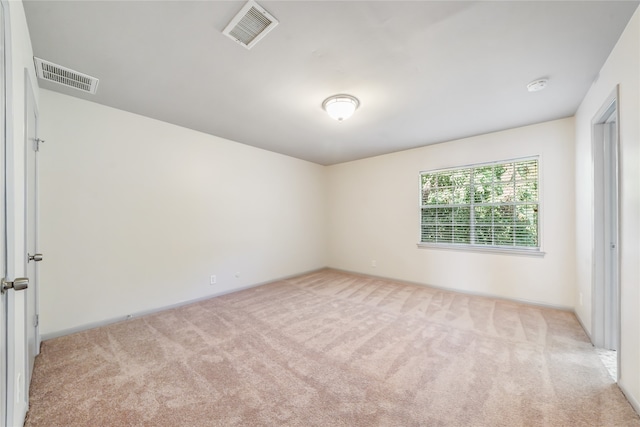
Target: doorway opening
{"points": [[606, 286]]}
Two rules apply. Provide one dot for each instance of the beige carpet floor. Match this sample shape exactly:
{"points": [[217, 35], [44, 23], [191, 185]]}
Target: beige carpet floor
{"points": [[330, 349]]}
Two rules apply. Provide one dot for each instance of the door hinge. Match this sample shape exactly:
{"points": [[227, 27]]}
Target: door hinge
{"points": [[36, 320]]}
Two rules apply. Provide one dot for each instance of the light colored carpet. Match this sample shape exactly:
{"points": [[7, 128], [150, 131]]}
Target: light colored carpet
{"points": [[609, 359], [330, 349]]}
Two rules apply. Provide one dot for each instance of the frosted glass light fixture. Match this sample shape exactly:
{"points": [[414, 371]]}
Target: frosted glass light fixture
{"points": [[340, 107]]}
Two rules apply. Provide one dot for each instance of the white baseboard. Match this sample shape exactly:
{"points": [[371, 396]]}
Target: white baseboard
{"points": [[464, 292], [583, 328], [92, 325], [632, 400]]}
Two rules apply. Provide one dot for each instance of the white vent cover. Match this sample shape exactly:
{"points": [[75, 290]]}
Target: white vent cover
{"points": [[65, 76], [250, 25]]}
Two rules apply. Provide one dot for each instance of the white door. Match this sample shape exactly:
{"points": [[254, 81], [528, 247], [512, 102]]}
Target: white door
{"points": [[22, 336], [32, 146], [606, 287], [610, 187], [13, 306]]}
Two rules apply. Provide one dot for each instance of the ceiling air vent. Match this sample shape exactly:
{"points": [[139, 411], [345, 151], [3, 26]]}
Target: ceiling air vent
{"points": [[58, 74], [250, 25]]}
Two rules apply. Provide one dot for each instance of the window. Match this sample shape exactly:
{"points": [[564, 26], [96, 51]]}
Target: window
{"points": [[485, 206]]}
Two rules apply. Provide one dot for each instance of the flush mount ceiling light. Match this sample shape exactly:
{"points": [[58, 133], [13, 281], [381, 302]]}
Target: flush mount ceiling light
{"points": [[340, 107], [537, 85]]}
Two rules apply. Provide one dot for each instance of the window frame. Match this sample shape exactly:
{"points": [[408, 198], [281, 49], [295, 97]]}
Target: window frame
{"points": [[511, 250]]}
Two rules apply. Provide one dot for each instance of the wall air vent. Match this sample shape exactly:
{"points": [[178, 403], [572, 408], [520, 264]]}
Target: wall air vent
{"points": [[58, 74], [250, 25]]}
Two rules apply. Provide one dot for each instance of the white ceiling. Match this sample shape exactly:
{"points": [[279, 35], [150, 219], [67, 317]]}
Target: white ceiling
{"points": [[424, 71]]}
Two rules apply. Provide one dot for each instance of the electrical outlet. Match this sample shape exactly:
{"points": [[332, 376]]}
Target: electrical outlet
{"points": [[237, 275], [374, 263], [213, 280], [581, 298]]}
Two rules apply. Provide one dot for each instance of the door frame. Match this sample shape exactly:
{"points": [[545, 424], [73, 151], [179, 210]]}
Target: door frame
{"points": [[5, 81], [30, 101], [9, 405], [605, 305]]}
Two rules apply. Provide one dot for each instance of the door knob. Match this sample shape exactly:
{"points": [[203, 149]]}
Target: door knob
{"points": [[18, 284], [35, 257]]}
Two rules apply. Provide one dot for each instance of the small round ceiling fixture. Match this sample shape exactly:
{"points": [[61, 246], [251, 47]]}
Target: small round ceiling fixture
{"points": [[537, 85], [340, 107]]}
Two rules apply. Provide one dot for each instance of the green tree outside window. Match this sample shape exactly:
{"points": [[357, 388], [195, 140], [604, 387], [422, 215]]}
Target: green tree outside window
{"points": [[483, 205]]}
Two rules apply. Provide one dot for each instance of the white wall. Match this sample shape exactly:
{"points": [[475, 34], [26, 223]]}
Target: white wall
{"points": [[374, 215], [136, 214], [623, 68]]}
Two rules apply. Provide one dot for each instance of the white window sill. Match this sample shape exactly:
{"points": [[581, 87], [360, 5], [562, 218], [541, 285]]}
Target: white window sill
{"points": [[487, 249]]}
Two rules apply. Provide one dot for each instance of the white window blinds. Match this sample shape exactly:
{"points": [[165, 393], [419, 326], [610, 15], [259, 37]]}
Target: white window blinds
{"points": [[490, 205]]}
